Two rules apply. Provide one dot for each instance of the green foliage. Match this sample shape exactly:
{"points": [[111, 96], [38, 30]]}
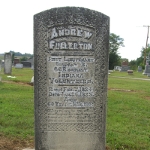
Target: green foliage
{"points": [[114, 60], [133, 65], [145, 52], [115, 42], [24, 58], [140, 61], [13, 55]]}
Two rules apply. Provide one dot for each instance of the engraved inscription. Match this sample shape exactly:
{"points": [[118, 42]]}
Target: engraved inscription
{"points": [[70, 76]]}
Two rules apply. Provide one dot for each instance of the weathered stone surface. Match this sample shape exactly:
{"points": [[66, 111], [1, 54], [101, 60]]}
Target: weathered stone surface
{"points": [[7, 63], [70, 70], [147, 66], [147, 69]]}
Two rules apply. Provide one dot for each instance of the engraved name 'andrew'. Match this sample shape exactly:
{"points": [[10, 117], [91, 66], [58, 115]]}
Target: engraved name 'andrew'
{"points": [[70, 31], [70, 45]]}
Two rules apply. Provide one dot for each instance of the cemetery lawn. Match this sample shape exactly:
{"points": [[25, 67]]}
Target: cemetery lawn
{"points": [[128, 111], [16, 110]]}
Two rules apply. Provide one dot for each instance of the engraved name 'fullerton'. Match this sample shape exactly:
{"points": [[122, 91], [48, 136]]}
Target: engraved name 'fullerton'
{"points": [[70, 32], [70, 45]]}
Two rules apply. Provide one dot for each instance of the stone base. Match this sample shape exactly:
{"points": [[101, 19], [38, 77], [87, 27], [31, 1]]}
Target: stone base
{"points": [[148, 74]]}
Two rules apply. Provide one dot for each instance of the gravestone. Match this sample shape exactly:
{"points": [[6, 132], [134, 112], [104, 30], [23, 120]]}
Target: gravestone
{"points": [[124, 66], [71, 71], [19, 66], [117, 68], [7, 63], [140, 69], [147, 66]]}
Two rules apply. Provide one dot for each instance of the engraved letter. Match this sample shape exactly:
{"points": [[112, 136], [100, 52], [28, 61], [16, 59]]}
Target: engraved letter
{"points": [[89, 46], [87, 34], [61, 32], [79, 32], [54, 33], [51, 45], [63, 45], [73, 31], [67, 32]]}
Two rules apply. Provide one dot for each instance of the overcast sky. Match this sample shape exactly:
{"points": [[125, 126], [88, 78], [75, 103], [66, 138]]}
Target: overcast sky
{"points": [[127, 18]]}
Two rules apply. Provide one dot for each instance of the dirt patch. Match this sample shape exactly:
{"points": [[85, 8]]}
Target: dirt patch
{"points": [[15, 144], [148, 97], [121, 90], [20, 83]]}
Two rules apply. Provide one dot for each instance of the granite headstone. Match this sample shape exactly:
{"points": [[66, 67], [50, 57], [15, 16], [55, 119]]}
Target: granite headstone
{"points": [[19, 66], [7, 63], [147, 66], [71, 71], [124, 68], [140, 69]]}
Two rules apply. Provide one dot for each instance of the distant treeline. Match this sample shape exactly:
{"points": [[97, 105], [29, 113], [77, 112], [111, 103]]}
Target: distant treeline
{"points": [[20, 54]]}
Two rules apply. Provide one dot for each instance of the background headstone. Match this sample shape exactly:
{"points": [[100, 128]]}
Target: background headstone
{"points": [[117, 68], [7, 63], [124, 63], [140, 69], [147, 69], [124, 68], [147, 66], [71, 71], [19, 66]]}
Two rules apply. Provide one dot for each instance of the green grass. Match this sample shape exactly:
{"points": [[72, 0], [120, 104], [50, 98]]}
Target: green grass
{"points": [[22, 75], [128, 109], [16, 110], [16, 104], [125, 74], [128, 114]]}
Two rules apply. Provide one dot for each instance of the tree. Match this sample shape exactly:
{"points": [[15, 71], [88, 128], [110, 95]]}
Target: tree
{"points": [[145, 52], [133, 64], [13, 56], [115, 42], [24, 58]]}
